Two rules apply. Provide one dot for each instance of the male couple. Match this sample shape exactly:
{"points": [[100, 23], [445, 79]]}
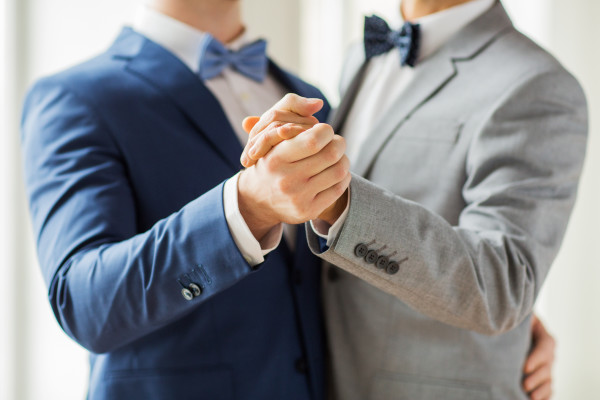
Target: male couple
{"points": [[153, 248]]}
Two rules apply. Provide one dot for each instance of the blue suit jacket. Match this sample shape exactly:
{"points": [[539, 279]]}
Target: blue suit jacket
{"points": [[124, 157]]}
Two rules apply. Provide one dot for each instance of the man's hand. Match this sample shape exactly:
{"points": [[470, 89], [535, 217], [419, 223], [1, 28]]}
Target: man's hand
{"points": [[289, 117], [296, 181], [538, 367]]}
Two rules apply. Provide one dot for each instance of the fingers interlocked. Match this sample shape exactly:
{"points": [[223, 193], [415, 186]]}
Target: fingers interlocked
{"points": [[296, 167], [291, 116]]}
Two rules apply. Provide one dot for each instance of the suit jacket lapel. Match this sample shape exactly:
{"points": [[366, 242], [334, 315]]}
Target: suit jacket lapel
{"points": [[160, 68], [431, 75], [341, 113], [352, 77], [429, 78]]}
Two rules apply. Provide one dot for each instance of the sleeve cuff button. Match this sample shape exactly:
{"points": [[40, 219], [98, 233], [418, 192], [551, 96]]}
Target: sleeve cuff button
{"points": [[382, 262], [187, 294], [392, 268], [361, 250], [371, 257], [196, 290]]}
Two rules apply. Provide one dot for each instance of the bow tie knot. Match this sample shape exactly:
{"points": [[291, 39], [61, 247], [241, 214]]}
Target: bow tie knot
{"points": [[380, 39], [251, 60]]}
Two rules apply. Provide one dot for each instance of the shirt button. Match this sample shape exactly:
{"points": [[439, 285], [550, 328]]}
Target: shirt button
{"points": [[196, 290], [301, 366], [371, 257], [187, 294], [361, 250]]}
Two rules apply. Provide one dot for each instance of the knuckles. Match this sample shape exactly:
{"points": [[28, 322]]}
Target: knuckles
{"points": [[272, 164], [335, 151], [339, 188], [287, 131], [325, 129], [345, 162], [290, 98], [342, 142], [270, 116], [276, 116], [320, 133], [343, 185], [331, 154], [273, 126], [285, 185], [312, 143], [341, 170]]}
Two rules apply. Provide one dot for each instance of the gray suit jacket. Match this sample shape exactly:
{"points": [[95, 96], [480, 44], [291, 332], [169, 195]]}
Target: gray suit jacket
{"points": [[470, 180]]}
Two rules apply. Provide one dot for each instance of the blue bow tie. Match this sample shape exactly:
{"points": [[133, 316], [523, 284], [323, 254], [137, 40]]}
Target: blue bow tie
{"points": [[379, 39], [250, 60]]}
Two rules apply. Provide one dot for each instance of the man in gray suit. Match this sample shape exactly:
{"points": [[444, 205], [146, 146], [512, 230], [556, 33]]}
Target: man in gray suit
{"points": [[466, 158]]}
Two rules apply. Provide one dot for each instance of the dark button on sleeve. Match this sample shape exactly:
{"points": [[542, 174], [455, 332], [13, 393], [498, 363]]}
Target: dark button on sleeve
{"points": [[371, 257], [196, 290], [392, 268], [361, 250], [187, 294], [382, 262]]}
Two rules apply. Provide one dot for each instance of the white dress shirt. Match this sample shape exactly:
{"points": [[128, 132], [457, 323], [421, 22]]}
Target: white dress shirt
{"points": [[385, 80], [239, 97]]}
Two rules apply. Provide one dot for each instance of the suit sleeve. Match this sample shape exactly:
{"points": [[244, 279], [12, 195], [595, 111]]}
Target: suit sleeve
{"points": [[110, 284], [522, 171]]}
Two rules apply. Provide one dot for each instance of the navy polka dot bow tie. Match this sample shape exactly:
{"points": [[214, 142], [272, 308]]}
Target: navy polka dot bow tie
{"points": [[251, 60], [379, 39]]}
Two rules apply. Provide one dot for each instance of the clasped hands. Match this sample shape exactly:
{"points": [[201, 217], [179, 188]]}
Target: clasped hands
{"points": [[292, 177]]}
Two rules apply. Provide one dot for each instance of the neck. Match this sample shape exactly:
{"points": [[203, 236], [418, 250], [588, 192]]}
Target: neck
{"points": [[415, 9], [221, 18]]}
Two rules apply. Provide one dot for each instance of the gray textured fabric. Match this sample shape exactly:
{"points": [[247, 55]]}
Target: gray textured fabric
{"points": [[471, 176]]}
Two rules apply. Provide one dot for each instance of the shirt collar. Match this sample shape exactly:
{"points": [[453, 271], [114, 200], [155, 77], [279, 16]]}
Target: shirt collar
{"points": [[180, 39], [438, 28]]}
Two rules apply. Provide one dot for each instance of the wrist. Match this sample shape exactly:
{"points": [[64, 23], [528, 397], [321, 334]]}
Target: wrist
{"points": [[333, 212], [255, 214]]}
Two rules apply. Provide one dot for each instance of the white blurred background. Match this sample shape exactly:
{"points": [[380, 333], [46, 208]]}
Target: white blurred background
{"points": [[39, 37]]}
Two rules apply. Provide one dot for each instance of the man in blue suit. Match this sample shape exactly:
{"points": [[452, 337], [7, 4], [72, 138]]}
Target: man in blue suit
{"points": [[152, 261], [148, 261]]}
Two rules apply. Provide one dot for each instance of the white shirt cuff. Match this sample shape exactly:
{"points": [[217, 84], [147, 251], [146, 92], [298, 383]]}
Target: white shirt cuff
{"points": [[252, 250], [330, 232]]}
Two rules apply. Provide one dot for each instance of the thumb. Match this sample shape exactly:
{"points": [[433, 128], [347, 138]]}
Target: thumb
{"points": [[249, 123], [299, 105]]}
